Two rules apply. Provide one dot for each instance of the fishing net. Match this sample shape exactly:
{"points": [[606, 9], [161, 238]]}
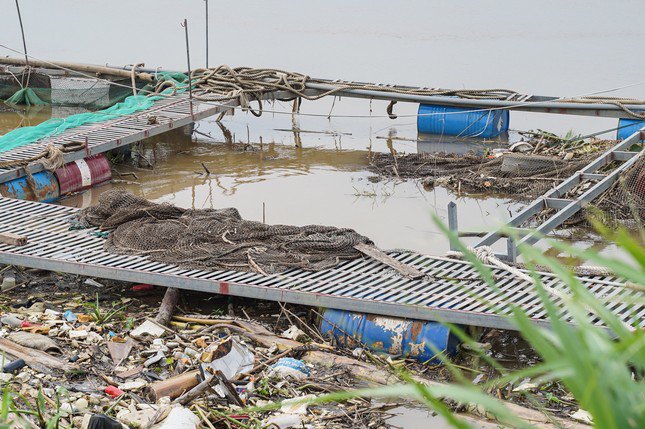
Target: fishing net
{"points": [[522, 177], [55, 126], [36, 88], [215, 239]]}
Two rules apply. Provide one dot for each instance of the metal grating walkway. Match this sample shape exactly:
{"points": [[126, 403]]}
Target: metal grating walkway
{"points": [[452, 290], [164, 115]]}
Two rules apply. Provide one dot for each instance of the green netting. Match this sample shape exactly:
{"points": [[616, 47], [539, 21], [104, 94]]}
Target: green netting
{"points": [[55, 126], [26, 96]]}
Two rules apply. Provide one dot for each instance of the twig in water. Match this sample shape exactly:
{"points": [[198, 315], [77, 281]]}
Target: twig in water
{"points": [[208, 172]]}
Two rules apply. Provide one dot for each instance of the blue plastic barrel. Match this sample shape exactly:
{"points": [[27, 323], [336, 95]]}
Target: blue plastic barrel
{"points": [[461, 121], [46, 188], [627, 127], [415, 339]]}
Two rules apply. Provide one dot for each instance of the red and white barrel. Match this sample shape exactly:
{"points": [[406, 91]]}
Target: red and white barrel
{"points": [[83, 174]]}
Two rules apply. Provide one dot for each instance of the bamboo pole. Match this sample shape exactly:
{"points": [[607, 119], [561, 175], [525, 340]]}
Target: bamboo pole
{"points": [[85, 68]]}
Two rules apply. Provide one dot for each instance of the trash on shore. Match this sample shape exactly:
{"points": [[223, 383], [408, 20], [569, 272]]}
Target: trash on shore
{"points": [[98, 372]]}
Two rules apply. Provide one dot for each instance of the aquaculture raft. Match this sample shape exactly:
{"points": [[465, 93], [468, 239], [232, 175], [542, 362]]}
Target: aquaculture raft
{"points": [[165, 115], [452, 291]]}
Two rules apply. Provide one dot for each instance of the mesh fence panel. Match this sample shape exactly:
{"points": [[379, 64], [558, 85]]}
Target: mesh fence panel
{"points": [[56, 90]]}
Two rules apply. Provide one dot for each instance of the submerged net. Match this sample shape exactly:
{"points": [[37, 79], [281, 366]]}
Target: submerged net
{"points": [[215, 239]]}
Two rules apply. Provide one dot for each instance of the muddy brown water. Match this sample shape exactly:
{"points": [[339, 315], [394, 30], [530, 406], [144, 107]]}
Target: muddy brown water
{"points": [[550, 48]]}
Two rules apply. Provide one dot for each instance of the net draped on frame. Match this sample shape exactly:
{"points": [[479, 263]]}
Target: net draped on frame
{"points": [[215, 238]]}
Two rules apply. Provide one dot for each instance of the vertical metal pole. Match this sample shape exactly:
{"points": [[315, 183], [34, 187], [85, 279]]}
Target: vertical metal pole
{"points": [[511, 249], [24, 81], [22, 30], [206, 33], [452, 223], [190, 86]]}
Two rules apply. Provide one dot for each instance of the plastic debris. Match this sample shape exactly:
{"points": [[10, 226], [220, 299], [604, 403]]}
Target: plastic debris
{"points": [[113, 391], [525, 386], [180, 417], [133, 385], [81, 333], [283, 421], [92, 282], [297, 405], [290, 368], [238, 360], [147, 328], [119, 351], [293, 333], [70, 316], [14, 366], [35, 341], [582, 416], [142, 288], [99, 421], [11, 321]]}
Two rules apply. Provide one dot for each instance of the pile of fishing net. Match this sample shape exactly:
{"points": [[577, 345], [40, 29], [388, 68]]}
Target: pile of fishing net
{"points": [[524, 177], [215, 238]]}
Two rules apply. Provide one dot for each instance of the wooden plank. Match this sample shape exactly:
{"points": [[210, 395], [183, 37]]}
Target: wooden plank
{"points": [[13, 239], [379, 255]]}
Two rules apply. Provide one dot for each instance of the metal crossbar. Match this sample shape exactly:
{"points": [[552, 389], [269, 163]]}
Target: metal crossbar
{"points": [[451, 291], [556, 197]]}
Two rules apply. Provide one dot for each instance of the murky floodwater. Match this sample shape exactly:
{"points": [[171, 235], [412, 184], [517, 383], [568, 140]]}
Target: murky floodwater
{"points": [[550, 48], [536, 47]]}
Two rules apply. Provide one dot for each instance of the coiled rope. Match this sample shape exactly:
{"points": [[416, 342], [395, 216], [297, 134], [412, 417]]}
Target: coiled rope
{"points": [[246, 84]]}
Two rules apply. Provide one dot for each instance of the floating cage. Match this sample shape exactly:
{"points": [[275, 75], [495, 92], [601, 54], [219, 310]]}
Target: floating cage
{"points": [[62, 88]]}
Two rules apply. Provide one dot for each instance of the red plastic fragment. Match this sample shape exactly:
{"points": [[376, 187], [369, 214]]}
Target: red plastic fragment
{"points": [[142, 287], [114, 392]]}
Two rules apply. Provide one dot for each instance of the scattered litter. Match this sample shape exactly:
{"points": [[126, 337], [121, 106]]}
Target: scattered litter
{"points": [[133, 385], [119, 350], [70, 316], [99, 421], [154, 359], [14, 366], [293, 333], [290, 368], [35, 341], [137, 418], [238, 360], [11, 321], [283, 421], [92, 282], [81, 333], [147, 328], [525, 386], [142, 288], [582, 416], [113, 391], [180, 417], [297, 405]]}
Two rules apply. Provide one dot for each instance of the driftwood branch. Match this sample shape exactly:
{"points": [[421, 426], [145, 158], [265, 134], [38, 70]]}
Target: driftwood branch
{"points": [[168, 304]]}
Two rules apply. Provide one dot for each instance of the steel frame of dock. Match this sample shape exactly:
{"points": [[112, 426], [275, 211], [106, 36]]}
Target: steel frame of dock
{"points": [[452, 290]]}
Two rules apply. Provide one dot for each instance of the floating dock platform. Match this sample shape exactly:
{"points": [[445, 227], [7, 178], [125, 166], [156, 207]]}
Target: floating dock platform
{"points": [[452, 290]]}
